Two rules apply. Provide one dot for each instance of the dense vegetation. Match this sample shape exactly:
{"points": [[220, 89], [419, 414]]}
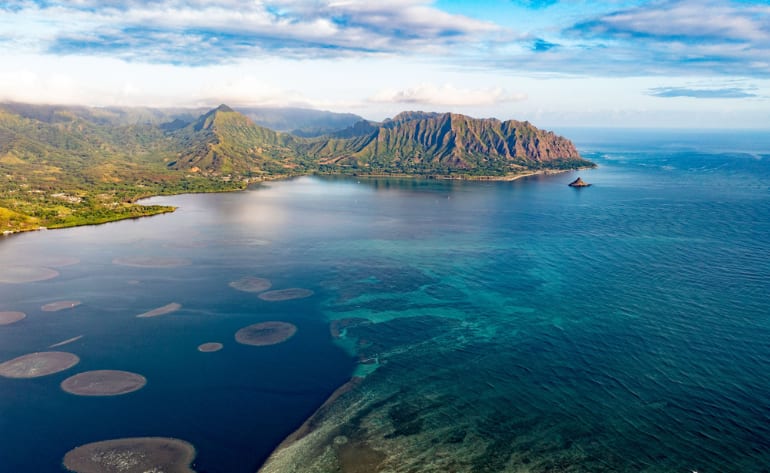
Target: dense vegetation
{"points": [[64, 166]]}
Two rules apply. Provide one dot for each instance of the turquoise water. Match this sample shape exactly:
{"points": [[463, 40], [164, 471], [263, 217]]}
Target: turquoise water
{"points": [[510, 326]]}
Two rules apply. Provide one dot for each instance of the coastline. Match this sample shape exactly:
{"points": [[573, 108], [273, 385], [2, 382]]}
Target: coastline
{"points": [[311, 423], [459, 177], [279, 177], [276, 461], [8, 233]]}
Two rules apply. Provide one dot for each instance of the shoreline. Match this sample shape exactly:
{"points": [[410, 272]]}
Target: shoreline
{"points": [[311, 423], [9, 233], [255, 180], [460, 177]]}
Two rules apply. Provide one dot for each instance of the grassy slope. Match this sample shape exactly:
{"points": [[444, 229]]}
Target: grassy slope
{"points": [[74, 172]]}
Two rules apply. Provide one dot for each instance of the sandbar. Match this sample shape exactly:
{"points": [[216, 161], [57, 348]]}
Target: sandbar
{"points": [[286, 294], [103, 383], [265, 333], [59, 305], [132, 455], [185, 244], [210, 347], [58, 261], [65, 342], [166, 309], [24, 274], [151, 261], [245, 242], [251, 284], [38, 364], [7, 318]]}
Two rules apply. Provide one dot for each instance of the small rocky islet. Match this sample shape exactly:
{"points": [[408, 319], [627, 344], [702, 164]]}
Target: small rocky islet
{"points": [[579, 182]]}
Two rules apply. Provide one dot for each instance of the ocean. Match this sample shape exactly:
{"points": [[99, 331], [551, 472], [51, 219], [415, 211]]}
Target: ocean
{"points": [[520, 326]]}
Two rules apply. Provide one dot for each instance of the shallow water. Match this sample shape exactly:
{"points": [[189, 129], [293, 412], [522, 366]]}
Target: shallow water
{"points": [[517, 326]]}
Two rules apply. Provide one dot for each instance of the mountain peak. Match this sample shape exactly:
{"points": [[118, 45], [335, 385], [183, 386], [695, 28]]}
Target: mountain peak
{"points": [[208, 120], [413, 115]]}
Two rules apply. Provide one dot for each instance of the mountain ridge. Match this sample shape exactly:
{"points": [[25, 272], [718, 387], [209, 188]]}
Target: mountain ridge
{"points": [[63, 166], [424, 142]]}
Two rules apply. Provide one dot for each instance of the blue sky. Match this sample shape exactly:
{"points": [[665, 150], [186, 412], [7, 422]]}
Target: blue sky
{"points": [[668, 63]]}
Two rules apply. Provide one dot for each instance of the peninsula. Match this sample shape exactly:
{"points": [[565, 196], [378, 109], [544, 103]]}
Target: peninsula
{"points": [[64, 166]]}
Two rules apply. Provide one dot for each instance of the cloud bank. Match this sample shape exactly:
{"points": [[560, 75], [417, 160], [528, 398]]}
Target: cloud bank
{"points": [[196, 32], [445, 95], [702, 93], [682, 36]]}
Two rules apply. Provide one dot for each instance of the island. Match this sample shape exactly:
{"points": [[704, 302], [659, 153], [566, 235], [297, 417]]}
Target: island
{"points": [[64, 166], [579, 183]]}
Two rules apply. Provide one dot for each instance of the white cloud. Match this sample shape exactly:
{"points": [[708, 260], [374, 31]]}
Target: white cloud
{"points": [[196, 32], [687, 18], [445, 95]]}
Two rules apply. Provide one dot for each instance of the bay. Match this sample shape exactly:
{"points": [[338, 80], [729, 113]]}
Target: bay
{"points": [[501, 326]]}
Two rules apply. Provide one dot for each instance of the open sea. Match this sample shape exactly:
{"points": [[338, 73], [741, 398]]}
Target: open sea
{"points": [[520, 326]]}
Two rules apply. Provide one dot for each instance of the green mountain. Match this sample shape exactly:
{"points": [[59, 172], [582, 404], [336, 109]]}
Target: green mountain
{"points": [[224, 141], [61, 169], [446, 143], [64, 166]]}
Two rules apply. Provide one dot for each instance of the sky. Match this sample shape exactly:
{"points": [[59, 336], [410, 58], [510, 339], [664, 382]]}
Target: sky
{"points": [[556, 63]]}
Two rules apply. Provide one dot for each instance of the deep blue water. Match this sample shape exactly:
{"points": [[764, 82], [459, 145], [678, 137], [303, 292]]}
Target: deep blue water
{"points": [[622, 327]]}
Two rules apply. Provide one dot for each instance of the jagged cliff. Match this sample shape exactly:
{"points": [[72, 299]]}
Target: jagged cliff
{"points": [[444, 143]]}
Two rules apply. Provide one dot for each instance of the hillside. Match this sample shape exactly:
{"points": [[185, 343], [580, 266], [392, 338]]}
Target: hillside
{"points": [[64, 166], [444, 143], [68, 171], [224, 141]]}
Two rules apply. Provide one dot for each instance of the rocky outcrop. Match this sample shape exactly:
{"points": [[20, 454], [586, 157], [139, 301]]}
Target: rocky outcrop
{"points": [[579, 183]]}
